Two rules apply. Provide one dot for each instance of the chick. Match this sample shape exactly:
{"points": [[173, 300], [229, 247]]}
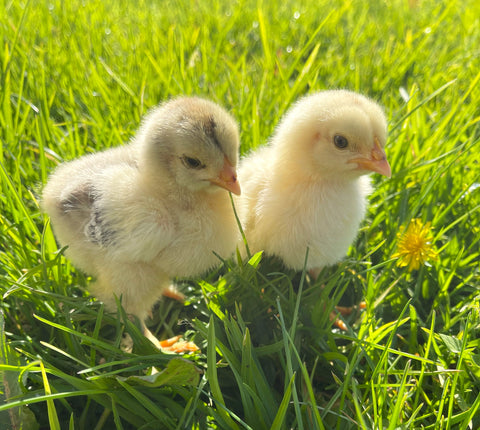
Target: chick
{"points": [[138, 215], [308, 188]]}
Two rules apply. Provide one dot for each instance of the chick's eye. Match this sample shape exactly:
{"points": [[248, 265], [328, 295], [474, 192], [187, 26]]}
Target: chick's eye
{"points": [[340, 141], [192, 163]]}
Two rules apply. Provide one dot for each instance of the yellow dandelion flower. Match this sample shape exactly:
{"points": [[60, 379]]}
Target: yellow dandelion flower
{"points": [[415, 245]]}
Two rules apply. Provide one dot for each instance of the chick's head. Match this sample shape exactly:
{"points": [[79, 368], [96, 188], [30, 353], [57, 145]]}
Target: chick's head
{"points": [[195, 141], [334, 134]]}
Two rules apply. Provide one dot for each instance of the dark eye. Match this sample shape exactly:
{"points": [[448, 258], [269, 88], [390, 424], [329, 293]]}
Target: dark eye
{"points": [[340, 141], [192, 163]]}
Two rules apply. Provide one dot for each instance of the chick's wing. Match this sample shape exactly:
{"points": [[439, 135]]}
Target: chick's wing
{"points": [[126, 222]]}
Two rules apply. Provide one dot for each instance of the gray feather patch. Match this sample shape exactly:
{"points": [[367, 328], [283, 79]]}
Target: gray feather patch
{"points": [[79, 200], [98, 230], [82, 206]]}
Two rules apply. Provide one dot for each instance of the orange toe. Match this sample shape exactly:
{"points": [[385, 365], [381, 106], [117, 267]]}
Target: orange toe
{"points": [[177, 345]]}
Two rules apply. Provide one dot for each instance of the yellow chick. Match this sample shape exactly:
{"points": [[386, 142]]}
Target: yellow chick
{"points": [[307, 188], [138, 215]]}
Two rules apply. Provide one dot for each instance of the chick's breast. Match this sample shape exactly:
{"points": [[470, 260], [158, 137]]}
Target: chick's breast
{"points": [[324, 219], [206, 228]]}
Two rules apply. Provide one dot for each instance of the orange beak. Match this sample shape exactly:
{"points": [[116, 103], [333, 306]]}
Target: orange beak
{"points": [[227, 178], [377, 162]]}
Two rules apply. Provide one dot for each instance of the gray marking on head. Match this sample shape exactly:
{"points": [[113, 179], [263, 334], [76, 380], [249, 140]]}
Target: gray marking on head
{"points": [[209, 128]]}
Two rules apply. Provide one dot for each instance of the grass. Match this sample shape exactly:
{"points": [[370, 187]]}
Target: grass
{"points": [[76, 77]]}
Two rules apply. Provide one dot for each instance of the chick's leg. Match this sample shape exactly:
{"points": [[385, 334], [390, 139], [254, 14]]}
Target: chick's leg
{"points": [[138, 286], [342, 310], [172, 292]]}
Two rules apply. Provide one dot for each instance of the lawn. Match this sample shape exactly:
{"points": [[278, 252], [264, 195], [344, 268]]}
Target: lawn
{"points": [[77, 76]]}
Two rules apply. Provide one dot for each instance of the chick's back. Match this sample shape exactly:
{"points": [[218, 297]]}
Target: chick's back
{"points": [[71, 199]]}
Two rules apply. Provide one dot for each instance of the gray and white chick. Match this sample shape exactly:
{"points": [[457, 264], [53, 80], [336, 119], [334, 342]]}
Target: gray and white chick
{"points": [[138, 215]]}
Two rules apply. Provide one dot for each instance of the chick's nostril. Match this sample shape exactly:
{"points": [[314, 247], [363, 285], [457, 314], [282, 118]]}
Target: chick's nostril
{"points": [[378, 154]]}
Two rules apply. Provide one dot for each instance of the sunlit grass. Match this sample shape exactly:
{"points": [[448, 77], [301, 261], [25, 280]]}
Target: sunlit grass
{"points": [[76, 77]]}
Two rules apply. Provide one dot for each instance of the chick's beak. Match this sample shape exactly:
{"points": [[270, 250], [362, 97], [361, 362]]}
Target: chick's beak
{"points": [[376, 162], [227, 178]]}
